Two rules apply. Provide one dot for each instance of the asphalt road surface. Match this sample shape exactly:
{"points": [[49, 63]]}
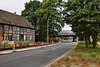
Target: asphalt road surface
{"points": [[36, 57]]}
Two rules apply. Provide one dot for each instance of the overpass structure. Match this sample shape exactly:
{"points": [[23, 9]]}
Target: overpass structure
{"points": [[66, 33]]}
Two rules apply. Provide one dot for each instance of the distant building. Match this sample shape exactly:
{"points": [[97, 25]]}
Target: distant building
{"points": [[15, 28]]}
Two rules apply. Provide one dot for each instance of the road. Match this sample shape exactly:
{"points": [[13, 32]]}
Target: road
{"points": [[36, 57]]}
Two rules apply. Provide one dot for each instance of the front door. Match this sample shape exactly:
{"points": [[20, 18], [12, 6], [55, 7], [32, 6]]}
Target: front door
{"points": [[21, 37]]}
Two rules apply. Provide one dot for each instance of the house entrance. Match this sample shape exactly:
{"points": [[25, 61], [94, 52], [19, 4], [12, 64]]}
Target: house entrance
{"points": [[10, 37], [21, 37]]}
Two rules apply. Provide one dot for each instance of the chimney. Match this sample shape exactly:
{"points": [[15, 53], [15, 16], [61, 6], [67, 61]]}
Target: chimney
{"points": [[14, 12]]}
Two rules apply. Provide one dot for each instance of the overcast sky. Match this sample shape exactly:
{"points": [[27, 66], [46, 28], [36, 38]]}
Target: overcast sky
{"points": [[17, 6]]}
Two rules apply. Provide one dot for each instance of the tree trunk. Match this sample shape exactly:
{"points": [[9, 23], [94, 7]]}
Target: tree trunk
{"points": [[89, 41], [86, 41], [94, 42]]}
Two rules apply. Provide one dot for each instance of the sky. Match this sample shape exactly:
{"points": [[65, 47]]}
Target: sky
{"points": [[17, 6]]}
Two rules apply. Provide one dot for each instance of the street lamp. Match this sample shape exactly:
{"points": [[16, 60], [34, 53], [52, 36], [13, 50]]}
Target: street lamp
{"points": [[48, 30]]}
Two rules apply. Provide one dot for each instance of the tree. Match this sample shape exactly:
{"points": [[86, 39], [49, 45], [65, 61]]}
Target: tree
{"points": [[51, 15], [29, 11], [40, 13], [84, 16]]}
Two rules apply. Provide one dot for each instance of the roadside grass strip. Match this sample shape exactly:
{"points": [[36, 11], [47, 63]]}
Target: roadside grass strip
{"points": [[80, 57]]}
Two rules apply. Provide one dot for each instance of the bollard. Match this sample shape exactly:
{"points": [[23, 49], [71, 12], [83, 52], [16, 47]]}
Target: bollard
{"points": [[52, 42], [14, 46], [42, 44]]}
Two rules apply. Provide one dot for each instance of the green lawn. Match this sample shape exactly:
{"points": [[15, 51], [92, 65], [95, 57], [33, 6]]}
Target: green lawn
{"points": [[81, 56]]}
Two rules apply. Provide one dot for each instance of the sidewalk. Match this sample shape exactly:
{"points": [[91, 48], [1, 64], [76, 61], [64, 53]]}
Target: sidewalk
{"points": [[24, 49]]}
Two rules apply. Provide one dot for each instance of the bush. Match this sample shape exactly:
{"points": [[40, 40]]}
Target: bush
{"points": [[67, 59], [16, 43], [56, 39], [93, 54], [25, 43]]}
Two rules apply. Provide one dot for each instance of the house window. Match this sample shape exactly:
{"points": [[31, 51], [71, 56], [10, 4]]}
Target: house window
{"points": [[24, 37], [31, 30], [25, 29], [18, 29], [18, 37], [10, 37], [22, 29], [30, 37], [10, 28]]}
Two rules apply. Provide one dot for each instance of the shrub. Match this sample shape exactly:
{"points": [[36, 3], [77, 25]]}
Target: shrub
{"points": [[67, 59], [73, 59], [25, 43], [72, 54], [16, 43], [55, 39], [82, 59], [93, 54]]}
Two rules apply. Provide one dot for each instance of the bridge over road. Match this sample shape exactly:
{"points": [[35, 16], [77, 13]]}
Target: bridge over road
{"points": [[66, 33]]}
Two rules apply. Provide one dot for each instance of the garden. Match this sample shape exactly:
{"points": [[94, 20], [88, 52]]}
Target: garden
{"points": [[9, 44]]}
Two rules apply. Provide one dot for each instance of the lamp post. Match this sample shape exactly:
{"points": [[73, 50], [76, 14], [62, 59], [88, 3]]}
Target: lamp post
{"points": [[48, 30]]}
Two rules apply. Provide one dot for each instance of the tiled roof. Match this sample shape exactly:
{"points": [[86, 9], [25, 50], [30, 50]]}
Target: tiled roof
{"points": [[13, 19]]}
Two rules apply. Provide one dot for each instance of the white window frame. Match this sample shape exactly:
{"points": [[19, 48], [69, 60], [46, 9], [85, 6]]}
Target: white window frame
{"points": [[30, 37], [18, 37], [24, 37]]}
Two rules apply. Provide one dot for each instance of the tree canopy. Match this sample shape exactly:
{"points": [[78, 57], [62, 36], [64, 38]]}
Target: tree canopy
{"points": [[39, 14], [84, 16]]}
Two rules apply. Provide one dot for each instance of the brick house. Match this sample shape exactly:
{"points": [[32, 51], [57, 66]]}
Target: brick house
{"points": [[15, 28]]}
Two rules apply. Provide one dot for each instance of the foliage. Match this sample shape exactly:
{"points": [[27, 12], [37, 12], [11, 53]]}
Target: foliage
{"points": [[93, 54], [16, 43], [29, 11], [84, 16], [67, 59], [25, 43], [45, 12], [56, 39], [81, 56]]}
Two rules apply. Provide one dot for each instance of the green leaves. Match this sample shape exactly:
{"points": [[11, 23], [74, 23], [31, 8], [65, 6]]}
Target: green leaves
{"points": [[40, 13], [84, 15]]}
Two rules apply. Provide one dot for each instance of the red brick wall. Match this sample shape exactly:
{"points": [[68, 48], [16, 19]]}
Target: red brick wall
{"points": [[1, 30]]}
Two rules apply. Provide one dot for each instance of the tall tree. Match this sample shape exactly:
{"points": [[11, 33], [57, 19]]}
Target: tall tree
{"points": [[51, 15], [29, 11], [84, 16], [40, 13]]}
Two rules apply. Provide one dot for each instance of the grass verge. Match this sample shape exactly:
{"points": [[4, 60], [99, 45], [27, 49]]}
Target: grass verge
{"points": [[80, 57]]}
